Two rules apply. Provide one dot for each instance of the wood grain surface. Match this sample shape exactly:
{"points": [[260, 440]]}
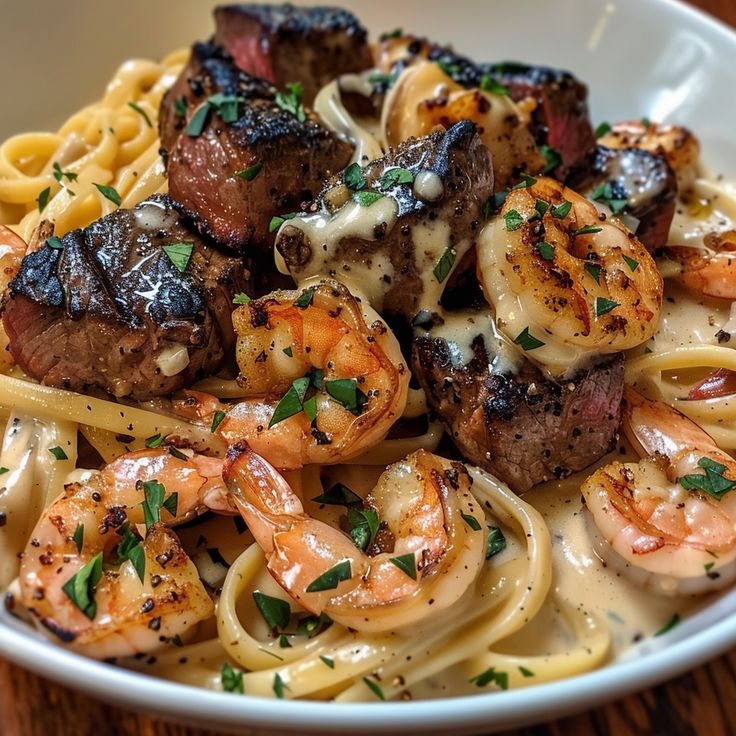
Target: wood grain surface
{"points": [[701, 703]]}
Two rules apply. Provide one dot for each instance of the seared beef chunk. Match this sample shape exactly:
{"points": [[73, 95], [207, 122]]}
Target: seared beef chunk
{"points": [[210, 70], [512, 420], [284, 43], [561, 120], [233, 177], [112, 309], [636, 182], [396, 228]]}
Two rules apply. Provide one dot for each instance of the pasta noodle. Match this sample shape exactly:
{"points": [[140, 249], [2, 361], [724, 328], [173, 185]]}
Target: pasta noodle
{"points": [[114, 142]]}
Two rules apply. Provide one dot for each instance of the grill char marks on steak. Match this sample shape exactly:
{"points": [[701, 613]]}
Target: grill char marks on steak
{"points": [[296, 156], [209, 70], [101, 311], [561, 119], [641, 177], [522, 427], [394, 244], [285, 43]]}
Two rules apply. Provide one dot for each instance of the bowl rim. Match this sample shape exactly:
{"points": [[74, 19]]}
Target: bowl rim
{"points": [[142, 691]]}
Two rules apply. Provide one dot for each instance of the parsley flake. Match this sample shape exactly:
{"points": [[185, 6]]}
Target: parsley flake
{"points": [[714, 483], [471, 521], [669, 625], [443, 267], [631, 263], [525, 672], [155, 441], [43, 199], [291, 100], [330, 579], [367, 198], [109, 193], [130, 548], [329, 662], [279, 686], [345, 391], [58, 453], [560, 211], [552, 158], [338, 495], [276, 612], [180, 107], [80, 588], [353, 177], [394, 177], [141, 112], [489, 84], [527, 341], [513, 220], [179, 254], [217, 420], [587, 230], [496, 542], [78, 537], [153, 499], [55, 243], [251, 172], [407, 564], [375, 688], [546, 251], [198, 121], [278, 220], [602, 129], [526, 182], [594, 270], [291, 402], [305, 298], [363, 527], [500, 679], [232, 680], [604, 306], [59, 174], [241, 298]]}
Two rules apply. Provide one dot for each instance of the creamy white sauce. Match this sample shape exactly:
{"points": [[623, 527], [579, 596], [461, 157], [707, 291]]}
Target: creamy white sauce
{"points": [[710, 207], [428, 186], [154, 216]]}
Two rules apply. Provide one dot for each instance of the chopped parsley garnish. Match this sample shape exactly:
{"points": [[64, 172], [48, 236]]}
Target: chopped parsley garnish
{"points": [[714, 483], [292, 401], [4, 470], [552, 158], [226, 106], [291, 100], [363, 527], [310, 408], [602, 129], [241, 298], [587, 230], [55, 243], [496, 542], [153, 499], [284, 642], [141, 112], [546, 251], [394, 177], [513, 220], [58, 453], [367, 198], [198, 121], [330, 579], [154, 441], [80, 588], [180, 107], [78, 537], [338, 495], [452, 70], [525, 672], [177, 453], [604, 306], [232, 680], [494, 203], [288, 352], [646, 122], [109, 193], [501, 679], [279, 686], [489, 84], [329, 662], [407, 564], [130, 548], [471, 521], [631, 263], [527, 341], [709, 566], [276, 612], [594, 270], [305, 298], [377, 78], [443, 267], [217, 420], [604, 194], [43, 199], [310, 626], [171, 504], [59, 174], [396, 33], [375, 688], [179, 254], [526, 182], [251, 172], [345, 391], [669, 625], [353, 177], [560, 211]]}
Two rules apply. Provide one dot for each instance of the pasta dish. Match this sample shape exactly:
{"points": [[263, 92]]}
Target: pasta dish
{"points": [[355, 369]]}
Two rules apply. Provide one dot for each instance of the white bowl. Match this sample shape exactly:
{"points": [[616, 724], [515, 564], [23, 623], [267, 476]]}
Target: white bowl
{"points": [[656, 58]]}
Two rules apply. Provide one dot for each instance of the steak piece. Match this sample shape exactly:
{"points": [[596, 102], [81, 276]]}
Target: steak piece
{"points": [[560, 121], [269, 157], [209, 70], [504, 414], [396, 237], [287, 43], [642, 179], [112, 309]]}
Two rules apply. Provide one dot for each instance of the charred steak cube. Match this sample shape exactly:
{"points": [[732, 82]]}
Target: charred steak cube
{"points": [[504, 414], [396, 228], [136, 304], [286, 43]]}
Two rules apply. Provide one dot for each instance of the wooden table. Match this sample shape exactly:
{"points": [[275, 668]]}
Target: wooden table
{"points": [[701, 703]]}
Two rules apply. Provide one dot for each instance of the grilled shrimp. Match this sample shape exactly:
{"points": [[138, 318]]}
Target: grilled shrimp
{"points": [[12, 250], [566, 283], [669, 521], [424, 97], [677, 145], [710, 271], [426, 554], [326, 385], [89, 578]]}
